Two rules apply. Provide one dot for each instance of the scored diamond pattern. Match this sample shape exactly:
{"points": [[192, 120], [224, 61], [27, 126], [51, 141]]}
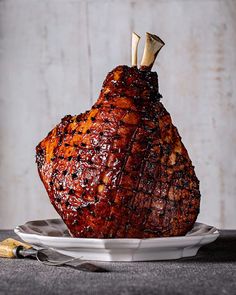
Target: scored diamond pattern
{"points": [[120, 169]]}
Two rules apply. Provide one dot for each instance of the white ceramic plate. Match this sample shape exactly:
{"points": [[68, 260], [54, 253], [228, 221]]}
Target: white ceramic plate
{"points": [[53, 233]]}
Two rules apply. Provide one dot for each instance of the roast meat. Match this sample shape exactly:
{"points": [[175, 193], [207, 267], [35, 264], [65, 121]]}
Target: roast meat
{"points": [[120, 170]]}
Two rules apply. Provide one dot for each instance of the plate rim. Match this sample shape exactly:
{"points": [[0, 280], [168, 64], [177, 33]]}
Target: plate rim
{"points": [[18, 230]]}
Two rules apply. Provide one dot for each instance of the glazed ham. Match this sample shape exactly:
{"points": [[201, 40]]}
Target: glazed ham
{"points": [[120, 169]]}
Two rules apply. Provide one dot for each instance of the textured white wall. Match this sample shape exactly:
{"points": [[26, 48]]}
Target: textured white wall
{"points": [[54, 55]]}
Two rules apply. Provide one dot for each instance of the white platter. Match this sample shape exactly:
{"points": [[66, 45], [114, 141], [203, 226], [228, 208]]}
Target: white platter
{"points": [[53, 233]]}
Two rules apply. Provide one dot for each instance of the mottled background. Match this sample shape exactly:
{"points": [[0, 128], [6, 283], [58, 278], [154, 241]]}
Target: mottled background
{"points": [[54, 55]]}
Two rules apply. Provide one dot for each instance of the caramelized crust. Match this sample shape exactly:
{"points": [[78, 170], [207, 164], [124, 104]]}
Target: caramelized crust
{"points": [[120, 170]]}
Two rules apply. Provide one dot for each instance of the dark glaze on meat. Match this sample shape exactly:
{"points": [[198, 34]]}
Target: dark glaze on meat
{"points": [[120, 170]]}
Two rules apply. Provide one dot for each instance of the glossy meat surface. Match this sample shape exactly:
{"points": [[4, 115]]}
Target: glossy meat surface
{"points": [[120, 170]]}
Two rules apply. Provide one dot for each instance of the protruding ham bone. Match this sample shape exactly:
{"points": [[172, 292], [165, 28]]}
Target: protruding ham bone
{"points": [[153, 45], [134, 57]]}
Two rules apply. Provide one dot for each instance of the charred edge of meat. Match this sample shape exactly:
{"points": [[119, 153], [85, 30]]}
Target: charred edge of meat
{"points": [[66, 119], [131, 79], [40, 156]]}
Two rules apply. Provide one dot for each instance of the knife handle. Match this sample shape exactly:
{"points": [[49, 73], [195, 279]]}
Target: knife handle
{"points": [[14, 243], [7, 251]]}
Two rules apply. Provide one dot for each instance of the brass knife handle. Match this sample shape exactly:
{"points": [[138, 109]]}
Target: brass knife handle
{"points": [[7, 251]]}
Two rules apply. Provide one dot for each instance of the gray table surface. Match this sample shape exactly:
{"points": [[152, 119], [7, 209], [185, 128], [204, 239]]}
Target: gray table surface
{"points": [[212, 271]]}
